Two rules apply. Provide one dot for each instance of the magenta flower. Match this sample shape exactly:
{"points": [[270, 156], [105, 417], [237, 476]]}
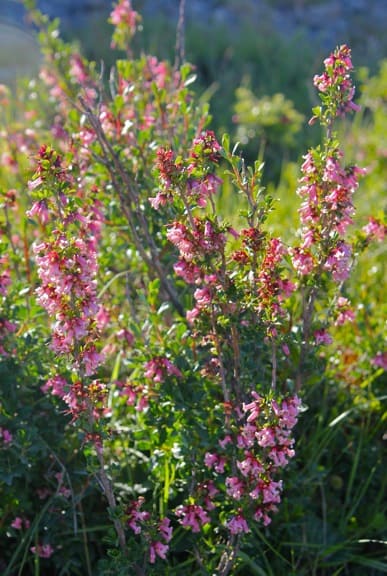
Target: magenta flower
{"points": [[157, 549], [17, 523], [375, 230], [135, 516], [192, 516], [123, 14], [235, 487], [43, 551], [380, 360], [166, 529], [6, 436], [238, 524], [159, 368]]}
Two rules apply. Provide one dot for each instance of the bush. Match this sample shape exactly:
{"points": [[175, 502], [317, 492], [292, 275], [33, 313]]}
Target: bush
{"points": [[156, 356]]}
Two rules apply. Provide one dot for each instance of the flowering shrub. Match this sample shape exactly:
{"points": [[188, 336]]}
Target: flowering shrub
{"points": [[152, 352]]}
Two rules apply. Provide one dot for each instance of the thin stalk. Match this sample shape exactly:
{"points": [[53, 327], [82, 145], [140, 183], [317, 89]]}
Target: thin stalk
{"points": [[115, 167], [228, 556], [180, 37]]}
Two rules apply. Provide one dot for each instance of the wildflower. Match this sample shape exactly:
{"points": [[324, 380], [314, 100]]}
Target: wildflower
{"points": [[380, 360], [344, 311], [159, 368], [135, 516], [336, 80], [235, 487], [17, 523], [159, 549], [215, 461], [238, 524], [6, 436], [123, 14], [165, 529], [192, 516], [43, 550], [375, 229]]}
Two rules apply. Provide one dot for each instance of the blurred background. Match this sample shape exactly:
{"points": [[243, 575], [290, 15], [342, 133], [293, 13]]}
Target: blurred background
{"points": [[254, 59]]}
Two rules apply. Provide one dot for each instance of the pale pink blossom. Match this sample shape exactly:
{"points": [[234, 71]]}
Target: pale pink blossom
{"points": [[159, 549], [238, 525], [192, 516], [43, 550]]}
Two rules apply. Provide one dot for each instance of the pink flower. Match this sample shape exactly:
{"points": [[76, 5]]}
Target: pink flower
{"points": [[345, 312], [339, 261], [157, 549], [266, 437], [191, 315], [380, 360], [57, 385], [203, 297], [43, 551], [253, 407], [226, 440], [187, 270], [303, 261], [135, 516], [123, 14], [6, 436], [40, 210], [238, 525], [166, 529], [235, 487], [192, 516], [159, 368], [375, 229], [215, 461], [250, 466], [17, 523], [322, 337]]}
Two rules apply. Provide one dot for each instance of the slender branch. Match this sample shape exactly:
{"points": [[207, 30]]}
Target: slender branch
{"points": [[273, 365], [180, 37], [228, 556], [153, 262]]}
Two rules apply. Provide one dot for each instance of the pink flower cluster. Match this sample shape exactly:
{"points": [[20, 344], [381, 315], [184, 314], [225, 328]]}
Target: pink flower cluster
{"points": [[158, 537], [380, 360], [264, 445], [78, 396], [135, 516], [125, 19], [67, 268], [135, 394], [43, 550], [194, 244], [326, 212], [6, 436], [344, 311], [336, 80], [375, 229], [160, 547], [192, 516], [5, 276], [272, 287], [194, 177], [20, 522], [123, 14], [159, 368]]}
